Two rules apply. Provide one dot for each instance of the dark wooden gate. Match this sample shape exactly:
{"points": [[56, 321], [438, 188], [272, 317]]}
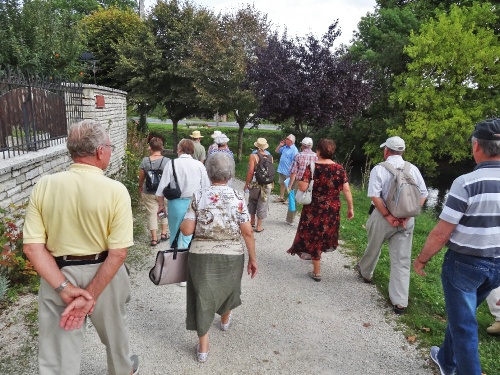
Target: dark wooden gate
{"points": [[35, 113]]}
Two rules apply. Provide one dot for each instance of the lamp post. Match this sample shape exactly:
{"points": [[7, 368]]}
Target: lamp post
{"points": [[89, 58]]}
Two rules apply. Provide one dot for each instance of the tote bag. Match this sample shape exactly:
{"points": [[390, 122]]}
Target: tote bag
{"points": [[170, 265]]}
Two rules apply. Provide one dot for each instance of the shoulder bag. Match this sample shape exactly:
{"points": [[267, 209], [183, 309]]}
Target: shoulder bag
{"points": [[170, 265], [305, 197], [172, 193]]}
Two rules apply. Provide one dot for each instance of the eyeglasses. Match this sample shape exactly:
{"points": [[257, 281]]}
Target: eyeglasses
{"points": [[112, 147]]}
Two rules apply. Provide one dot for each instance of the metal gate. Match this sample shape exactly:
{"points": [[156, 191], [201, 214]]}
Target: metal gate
{"points": [[35, 113]]}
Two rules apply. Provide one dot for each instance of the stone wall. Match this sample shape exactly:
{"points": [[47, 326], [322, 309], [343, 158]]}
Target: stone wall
{"points": [[19, 174]]}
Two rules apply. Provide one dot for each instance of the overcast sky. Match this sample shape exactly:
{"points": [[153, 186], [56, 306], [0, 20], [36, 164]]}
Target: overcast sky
{"points": [[301, 16]]}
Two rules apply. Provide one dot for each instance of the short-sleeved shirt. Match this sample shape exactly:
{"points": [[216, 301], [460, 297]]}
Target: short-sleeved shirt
{"points": [[381, 179], [218, 211], [473, 204], [301, 161], [286, 159], [199, 152], [79, 212], [147, 164], [191, 176]]}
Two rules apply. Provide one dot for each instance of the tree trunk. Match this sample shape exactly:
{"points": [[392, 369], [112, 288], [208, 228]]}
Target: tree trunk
{"points": [[241, 126], [175, 135]]}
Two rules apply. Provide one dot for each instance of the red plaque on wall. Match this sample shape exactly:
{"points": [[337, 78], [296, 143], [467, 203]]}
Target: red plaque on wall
{"points": [[99, 101]]}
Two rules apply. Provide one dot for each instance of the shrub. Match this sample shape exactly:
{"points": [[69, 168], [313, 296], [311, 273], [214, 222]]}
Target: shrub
{"points": [[13, 263], [136, 149]]}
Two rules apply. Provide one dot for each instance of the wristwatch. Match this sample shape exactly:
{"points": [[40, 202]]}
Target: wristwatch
{"points": [[60, 288]]}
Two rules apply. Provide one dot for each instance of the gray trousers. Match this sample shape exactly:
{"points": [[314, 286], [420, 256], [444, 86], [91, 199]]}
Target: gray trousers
{"points": [[399, 241], [59, 351]]}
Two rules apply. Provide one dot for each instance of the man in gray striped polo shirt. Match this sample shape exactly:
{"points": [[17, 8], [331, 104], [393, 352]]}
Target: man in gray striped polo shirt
{"points": [[470, 227]]}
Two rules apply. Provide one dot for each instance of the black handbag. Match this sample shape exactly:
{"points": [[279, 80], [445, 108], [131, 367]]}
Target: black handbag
{"points": [[170, 265], [172, 193]]}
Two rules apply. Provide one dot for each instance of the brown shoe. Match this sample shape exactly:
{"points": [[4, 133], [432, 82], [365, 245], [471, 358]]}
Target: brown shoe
{"points": [[494, 329]]}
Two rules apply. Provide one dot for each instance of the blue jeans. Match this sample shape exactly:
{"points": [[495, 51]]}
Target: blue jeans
{"points": [[467, 281]]}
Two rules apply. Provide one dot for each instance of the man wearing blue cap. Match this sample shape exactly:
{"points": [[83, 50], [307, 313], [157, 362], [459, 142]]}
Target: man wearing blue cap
{"points": [[469, 226]]}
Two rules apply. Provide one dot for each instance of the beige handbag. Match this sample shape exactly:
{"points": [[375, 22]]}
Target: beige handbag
{"points": [[171, 265], [305, 197]]}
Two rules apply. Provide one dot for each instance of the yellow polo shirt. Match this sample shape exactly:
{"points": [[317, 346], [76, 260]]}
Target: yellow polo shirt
{"points": [[79, 212]]}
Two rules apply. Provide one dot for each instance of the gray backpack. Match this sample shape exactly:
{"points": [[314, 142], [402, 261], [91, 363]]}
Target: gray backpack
{"points": [[404, 196]]}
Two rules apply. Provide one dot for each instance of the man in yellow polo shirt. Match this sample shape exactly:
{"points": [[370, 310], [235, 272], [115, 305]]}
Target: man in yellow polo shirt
{"points": [[76, 232]]}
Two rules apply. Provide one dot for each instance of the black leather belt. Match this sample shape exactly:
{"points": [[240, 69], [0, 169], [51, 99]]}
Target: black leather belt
{"points": [[80, 260]]}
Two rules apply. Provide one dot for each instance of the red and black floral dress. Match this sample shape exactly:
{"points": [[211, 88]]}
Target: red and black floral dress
{"points": [[319, 224]]}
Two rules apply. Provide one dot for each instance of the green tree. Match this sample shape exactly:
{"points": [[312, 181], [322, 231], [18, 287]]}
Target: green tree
{"points": [[453, 81], [38, 37], [219, 64], [103, 30], [156, 63], [380, 41]]}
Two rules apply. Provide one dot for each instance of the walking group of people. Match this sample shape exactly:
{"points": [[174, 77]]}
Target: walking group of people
{"points": [[78, 242]]}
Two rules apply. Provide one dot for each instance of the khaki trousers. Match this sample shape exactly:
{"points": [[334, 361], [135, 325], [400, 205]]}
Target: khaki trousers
{"points": [[399, 241], [59, 351], [151, 205]]}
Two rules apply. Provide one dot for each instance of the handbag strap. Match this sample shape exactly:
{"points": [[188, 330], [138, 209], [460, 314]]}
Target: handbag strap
{"points": [[176, 240], [311, 180], [175, 175]]}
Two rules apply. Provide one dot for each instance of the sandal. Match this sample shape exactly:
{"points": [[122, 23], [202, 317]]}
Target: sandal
{"points": [[202, 357], [225, 326], [398, 310], [164, 237], [154, 243], [315, 276]]}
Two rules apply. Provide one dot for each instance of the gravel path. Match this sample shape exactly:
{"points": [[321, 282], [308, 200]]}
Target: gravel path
{"points": [[287, 324]]}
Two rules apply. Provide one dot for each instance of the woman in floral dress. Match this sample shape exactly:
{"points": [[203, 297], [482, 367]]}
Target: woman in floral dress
{"points": [[318, 229], [219, 216]]}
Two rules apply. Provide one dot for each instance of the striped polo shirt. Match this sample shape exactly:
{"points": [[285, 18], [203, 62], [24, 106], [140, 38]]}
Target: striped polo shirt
{"points": [[474, 205]]}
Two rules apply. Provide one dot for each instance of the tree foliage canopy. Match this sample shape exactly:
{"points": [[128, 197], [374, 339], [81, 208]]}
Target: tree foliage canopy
{"points": [[306, 81], [103, 30], [220, 61], [38, 37], [452, 82]]}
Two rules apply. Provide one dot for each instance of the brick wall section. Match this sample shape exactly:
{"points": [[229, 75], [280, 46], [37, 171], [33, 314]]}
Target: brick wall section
{"points": [[18, 175]]}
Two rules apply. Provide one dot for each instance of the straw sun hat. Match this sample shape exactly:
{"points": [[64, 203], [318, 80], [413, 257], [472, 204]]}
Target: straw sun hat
{"points": [[261, 143]]}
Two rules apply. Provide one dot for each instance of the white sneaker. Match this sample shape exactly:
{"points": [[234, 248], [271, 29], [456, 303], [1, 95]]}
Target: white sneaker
{"points": [[182, 283]]}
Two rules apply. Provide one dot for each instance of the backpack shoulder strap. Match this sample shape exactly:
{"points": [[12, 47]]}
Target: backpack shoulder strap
{"points": [[150, 165], [389, 167], [161, 162], [406, 168]]}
